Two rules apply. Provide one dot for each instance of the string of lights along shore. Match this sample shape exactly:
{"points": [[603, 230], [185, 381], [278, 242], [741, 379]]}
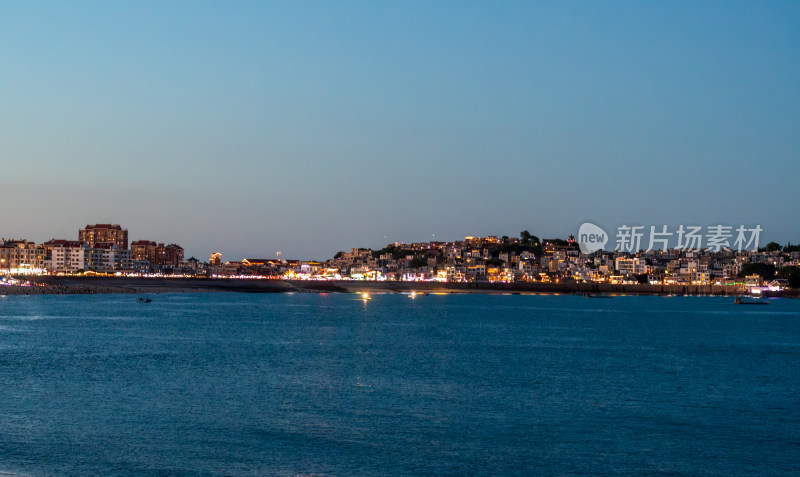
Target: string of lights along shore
{"points": [[104, 249]]}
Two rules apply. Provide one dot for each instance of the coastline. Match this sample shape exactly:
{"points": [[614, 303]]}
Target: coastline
{"points": [[137, 285]]}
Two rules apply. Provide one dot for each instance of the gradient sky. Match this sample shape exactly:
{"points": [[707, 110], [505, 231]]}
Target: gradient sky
{"points": [[311, 127]]}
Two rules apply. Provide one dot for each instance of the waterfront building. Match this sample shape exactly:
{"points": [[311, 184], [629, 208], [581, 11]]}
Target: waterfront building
{"points": [[753, 281], [73, 256], [141, 266], [232, 268], [172, 255], [108, 257], [67, 255], [144, 250], [633, 266], [104, 234], [215, 260], [157, 254], [20, 255]]}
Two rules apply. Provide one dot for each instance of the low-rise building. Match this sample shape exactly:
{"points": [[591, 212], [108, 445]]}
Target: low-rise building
{"points": [[633, 266], [158, 254]]}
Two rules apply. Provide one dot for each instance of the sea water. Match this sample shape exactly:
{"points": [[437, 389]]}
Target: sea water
{"points": [[331, 384]]}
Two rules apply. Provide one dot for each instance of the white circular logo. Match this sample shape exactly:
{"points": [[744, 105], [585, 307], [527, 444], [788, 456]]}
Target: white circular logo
{"points": [[591, 237]]}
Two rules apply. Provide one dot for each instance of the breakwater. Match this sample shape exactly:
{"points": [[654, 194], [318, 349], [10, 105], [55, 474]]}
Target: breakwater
{"points": [[161, 285]]}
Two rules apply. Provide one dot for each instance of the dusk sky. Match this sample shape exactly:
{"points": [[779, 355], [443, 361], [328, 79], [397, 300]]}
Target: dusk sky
{"points": [[311, 127]]}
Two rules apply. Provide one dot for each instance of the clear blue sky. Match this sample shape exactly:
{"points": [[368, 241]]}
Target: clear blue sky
{"points": [[310, 127]]}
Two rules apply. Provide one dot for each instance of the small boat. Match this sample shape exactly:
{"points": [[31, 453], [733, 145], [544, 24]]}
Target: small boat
{"points": [[143, 300], [739, 301], [596, 295]]}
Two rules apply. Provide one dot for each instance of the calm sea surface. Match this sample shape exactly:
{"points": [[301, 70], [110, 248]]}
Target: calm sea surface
{"points": [[240, 385]]}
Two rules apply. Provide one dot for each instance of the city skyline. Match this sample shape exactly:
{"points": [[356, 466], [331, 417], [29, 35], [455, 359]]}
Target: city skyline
{"points": [[484, 261], [627, 238], [313, 128]]}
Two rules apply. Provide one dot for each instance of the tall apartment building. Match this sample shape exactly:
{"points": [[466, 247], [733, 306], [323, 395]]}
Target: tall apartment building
{"points": [[104, 234]]}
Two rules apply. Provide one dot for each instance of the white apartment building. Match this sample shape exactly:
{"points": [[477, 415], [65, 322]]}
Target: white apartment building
{"points": [[67, 256], [634, 266], [71, 256], [109, 258]]}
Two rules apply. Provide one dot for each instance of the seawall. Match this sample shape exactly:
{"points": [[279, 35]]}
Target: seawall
{"points": [[160, 285]]}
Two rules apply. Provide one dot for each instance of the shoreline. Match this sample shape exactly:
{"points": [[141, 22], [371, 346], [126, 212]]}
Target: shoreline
{"points": [[136, 285]]}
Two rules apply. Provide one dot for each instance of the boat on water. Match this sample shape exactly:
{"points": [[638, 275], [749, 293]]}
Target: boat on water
{"points": [[597, 295], [740, 301], [142, 299]]}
